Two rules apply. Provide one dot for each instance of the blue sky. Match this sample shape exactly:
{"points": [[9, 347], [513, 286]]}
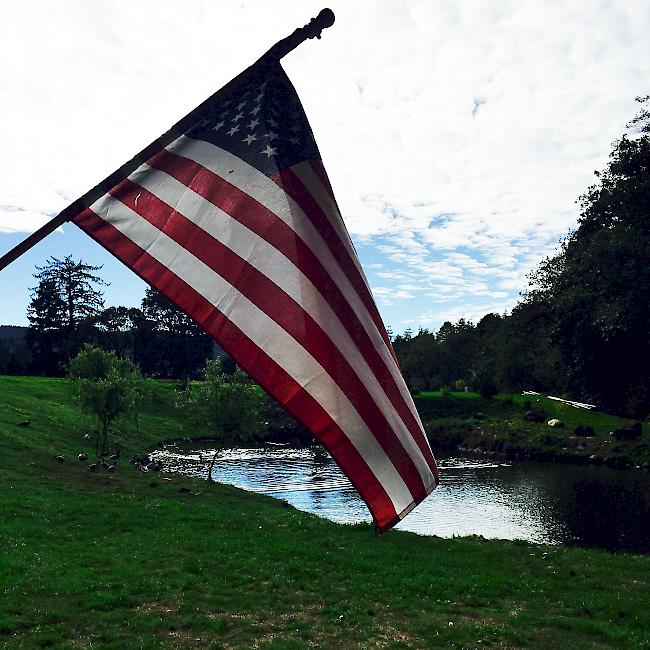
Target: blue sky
{"points": [[457, 135]]}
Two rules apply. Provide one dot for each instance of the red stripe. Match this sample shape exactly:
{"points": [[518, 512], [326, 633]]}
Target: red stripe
{"points": [[319, 169], [276, 381], [279, 306], [296, 189], [276, 232], [293, 186]]}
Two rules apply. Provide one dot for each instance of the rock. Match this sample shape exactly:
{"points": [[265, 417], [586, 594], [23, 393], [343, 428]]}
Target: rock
{"points": [[113, 456], [93, 467], [628, 431], [554, 423], [82, 457], [24, 423], [584, 430], [87, 436], [155, 466], [534, 416], [111, 468], [61, 459]]}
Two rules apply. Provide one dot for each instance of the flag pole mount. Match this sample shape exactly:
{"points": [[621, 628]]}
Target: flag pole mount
{"points": [[313, 29]]}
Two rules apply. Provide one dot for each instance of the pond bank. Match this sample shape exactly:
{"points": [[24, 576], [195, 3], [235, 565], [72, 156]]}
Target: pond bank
{"points": [[467, 422]]}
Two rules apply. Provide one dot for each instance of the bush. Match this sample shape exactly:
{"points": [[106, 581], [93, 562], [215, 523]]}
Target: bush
{"points": [[488, 390], [105, 387], [226, 402]]}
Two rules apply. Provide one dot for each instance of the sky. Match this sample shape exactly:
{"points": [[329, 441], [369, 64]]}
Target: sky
{"points": [[458, 135]]}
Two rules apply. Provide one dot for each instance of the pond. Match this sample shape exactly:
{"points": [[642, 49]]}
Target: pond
{"points": [[539, 502]]}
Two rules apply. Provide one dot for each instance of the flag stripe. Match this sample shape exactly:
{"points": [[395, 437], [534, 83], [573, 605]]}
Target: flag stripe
{"points": [[288, 314], [273, 378], [293, 187], [280, 271], [329, 210], [256, 217], [264, 332], [266, 192]]}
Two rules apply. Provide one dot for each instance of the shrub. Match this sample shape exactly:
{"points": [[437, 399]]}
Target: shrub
{"points": [[105, 387], [227, 403]]}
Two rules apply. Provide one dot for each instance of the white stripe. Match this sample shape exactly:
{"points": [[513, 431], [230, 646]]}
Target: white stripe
{"points": [[312, 181], [259, 186], [283, 273], [265, 333]]}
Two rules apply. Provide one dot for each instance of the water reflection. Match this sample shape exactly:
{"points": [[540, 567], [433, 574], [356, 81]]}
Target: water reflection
{"points": [[542, 503]]}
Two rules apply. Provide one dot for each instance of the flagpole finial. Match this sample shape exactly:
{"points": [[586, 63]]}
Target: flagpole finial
{"points": [[313, 29]]}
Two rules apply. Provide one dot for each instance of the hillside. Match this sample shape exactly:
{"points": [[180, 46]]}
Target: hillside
{"points": [[134, 560]]}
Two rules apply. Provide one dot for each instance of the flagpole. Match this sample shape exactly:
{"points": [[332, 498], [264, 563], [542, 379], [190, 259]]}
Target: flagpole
{"points": [[313, 29]]}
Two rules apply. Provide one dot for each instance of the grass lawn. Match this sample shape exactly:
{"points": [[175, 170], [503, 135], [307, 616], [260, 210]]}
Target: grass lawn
{"points": [[126, 560]]}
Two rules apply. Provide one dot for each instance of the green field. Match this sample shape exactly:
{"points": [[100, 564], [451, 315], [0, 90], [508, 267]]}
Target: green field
{"points": [[126, 560]]}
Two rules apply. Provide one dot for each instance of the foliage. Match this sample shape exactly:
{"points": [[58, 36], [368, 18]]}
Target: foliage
{"points": [[228, 404], [597, 287], [169, 343], [65, 297], [105, 387]]}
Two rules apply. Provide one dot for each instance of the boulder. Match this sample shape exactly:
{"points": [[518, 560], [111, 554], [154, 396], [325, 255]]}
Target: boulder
{"points": [[24, 423], [87, 436], [534, 416], [554, 423], [61, 459], [584, 430], [628, 431], [82, 457], [93, 467]]}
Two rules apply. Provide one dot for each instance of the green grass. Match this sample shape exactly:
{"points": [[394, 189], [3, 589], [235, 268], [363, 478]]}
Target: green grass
{"points": [[451, 422], [124, 560]]}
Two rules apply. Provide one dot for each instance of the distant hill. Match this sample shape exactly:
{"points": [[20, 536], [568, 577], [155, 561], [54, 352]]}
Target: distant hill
{"points": [[13, 332]]}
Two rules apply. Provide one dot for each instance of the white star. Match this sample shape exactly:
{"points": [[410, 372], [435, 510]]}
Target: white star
{"points": [[237, 117], [295, 128], [253, 124], [272, 122], [241, 105], [217, 126], [255, 111], [223, 114], [258, 99], [271, 136], [269, 151], [249, 138], [233, 130], [294, 140]]}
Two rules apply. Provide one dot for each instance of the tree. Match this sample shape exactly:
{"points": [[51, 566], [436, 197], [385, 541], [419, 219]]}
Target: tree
{"points": [[228, 404], [105, 387], [597, 287], [168, 342], [46, 335], [65, 296], [75, 284]]}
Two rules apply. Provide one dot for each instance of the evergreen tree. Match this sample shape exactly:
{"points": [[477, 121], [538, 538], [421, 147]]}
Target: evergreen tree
{"points": [[65, 297]]}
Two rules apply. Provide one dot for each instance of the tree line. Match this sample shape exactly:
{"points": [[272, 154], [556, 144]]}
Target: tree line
{"points": [[66, 311], [582, 327]]}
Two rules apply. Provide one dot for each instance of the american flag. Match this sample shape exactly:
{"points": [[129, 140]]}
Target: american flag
{"points": [[236, 223]]}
